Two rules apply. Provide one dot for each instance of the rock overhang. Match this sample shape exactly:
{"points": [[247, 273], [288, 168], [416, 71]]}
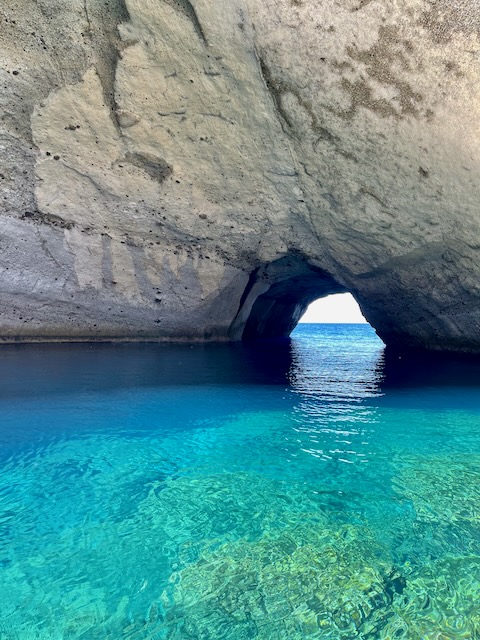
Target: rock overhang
{"points": [[159, 158]]}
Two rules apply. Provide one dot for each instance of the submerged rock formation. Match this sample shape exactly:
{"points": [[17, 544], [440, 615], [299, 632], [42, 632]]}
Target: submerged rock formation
{"points": [[193, 169]]}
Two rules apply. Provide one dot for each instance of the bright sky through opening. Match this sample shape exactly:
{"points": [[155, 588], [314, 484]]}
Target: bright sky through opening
{"points": [[340, 308]]}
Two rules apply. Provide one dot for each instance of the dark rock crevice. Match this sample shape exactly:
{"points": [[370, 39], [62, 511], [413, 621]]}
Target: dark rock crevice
{"points": [[157, 168], [188, 10], [104, 34]]}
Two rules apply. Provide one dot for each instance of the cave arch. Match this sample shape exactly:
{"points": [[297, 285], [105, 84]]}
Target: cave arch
{"points": [[277, 296]]}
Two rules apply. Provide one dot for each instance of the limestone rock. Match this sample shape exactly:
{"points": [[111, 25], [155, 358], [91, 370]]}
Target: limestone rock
{"points": [[184, 169]]}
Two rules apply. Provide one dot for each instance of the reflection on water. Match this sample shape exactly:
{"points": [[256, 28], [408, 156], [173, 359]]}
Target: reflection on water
{"points": [[312, 488]]}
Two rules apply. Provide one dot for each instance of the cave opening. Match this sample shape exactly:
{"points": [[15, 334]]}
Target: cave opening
{"points": [[340, 308], [277, 296]]}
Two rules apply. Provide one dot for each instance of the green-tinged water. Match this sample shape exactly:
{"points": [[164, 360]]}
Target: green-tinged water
{"points": [[303, 490]]}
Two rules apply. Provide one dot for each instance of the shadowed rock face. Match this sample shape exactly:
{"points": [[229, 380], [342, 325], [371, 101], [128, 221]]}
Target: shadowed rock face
{"points": [[197, 170], [278, 295]]}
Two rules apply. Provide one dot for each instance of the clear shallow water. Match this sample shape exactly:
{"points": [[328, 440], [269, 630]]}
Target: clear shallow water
{"points": [[312, 489]]}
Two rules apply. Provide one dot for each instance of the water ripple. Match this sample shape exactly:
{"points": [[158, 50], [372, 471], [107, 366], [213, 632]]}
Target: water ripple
{"points": [[272, 494]]}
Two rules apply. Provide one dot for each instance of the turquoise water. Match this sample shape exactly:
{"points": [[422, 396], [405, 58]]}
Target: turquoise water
{"points": [[316, 488]]}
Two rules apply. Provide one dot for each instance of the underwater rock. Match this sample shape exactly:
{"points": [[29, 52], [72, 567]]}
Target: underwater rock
{"points": [[307, 582]]}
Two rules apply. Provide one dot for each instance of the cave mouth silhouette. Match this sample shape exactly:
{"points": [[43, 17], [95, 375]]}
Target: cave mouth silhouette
{"points": [[338, 308], [277, 295]]}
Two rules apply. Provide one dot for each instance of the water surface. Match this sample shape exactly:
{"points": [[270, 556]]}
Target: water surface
{"points": [[307, 489]]}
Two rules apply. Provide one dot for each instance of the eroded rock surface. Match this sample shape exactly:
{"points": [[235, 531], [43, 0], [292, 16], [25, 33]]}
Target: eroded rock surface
{"points": [[203, 170]]}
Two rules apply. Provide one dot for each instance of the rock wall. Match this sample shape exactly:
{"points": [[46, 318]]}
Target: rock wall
{"points": [[176, 169]]}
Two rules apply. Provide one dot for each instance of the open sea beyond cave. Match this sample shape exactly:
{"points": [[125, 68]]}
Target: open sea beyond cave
{"points": [[313, 488]]}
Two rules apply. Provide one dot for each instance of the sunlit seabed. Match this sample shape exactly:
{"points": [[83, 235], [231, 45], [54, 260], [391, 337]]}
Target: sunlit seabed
{"points": [[153, 492]]}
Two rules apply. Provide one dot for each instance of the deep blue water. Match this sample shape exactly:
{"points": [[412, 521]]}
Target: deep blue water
{"points": [[313, 488]]}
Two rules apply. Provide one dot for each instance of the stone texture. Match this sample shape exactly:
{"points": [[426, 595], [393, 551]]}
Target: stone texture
{"points": [[203, 170]]}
